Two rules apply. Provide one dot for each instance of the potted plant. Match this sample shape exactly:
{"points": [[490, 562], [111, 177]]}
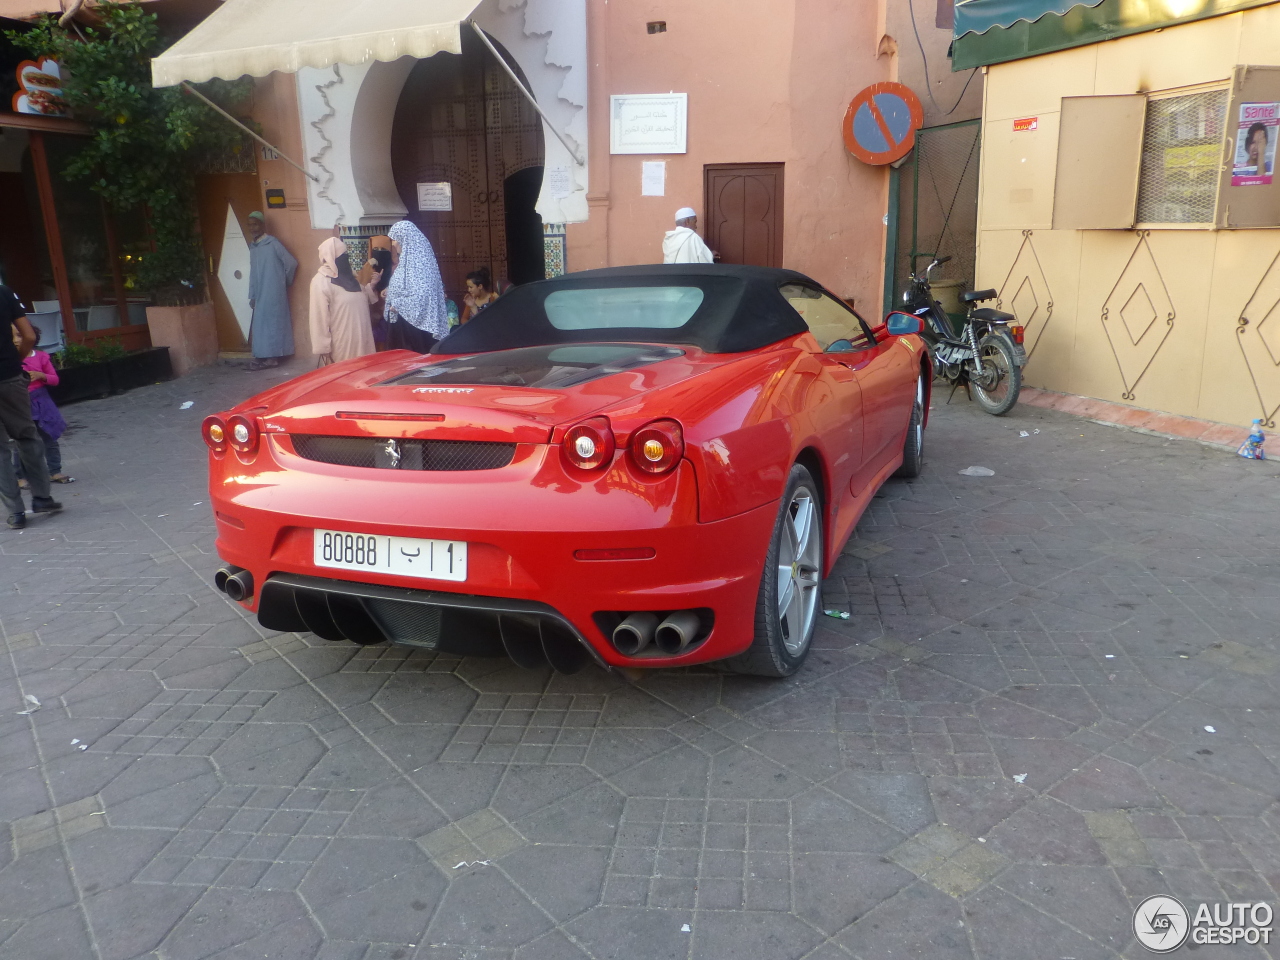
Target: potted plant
{"points": [[146, 366], [87, 373], [81, 375], [136, 369]]}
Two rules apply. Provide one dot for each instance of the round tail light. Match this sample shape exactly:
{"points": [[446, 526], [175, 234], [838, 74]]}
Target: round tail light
{"points": [[657, 447], [214, 432], [242, 434], [589, 445]]}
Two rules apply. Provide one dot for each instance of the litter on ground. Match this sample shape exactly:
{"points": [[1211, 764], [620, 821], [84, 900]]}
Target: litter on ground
{"points": [[187, 405], [977, 472]]}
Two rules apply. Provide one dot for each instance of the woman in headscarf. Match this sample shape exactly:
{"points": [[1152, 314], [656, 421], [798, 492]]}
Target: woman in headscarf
{"points": [[417, 313], [339, 308]]}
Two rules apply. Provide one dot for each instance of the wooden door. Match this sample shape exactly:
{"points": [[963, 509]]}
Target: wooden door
{"points": [[216, 195], [461, 120], [744, 212]]}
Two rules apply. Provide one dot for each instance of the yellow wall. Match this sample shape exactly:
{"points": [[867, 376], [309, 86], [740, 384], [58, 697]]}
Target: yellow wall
{"points": [[1083, 293]]}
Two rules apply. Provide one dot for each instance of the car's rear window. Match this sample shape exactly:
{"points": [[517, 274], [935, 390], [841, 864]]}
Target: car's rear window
{"points": [[719, 311], [609, 308]]}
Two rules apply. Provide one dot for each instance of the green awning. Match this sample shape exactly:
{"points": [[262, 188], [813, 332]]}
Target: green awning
{"points": [[979, 16], [997, 31]]}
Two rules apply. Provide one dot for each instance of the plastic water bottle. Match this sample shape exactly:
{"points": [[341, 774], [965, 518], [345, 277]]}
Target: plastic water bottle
{"points": [[1251, 449], [453, 312]]}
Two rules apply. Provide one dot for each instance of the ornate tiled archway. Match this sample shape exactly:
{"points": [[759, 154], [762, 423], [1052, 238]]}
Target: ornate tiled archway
{"points": [[346, 113]]}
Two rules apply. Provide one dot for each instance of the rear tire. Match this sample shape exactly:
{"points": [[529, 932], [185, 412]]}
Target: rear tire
{"points": [[790, 596], [913, 448], [1000, 393]]}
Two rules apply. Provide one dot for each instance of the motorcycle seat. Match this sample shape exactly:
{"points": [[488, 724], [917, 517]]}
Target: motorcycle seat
{"points": [[992, 316], [973, 296]]}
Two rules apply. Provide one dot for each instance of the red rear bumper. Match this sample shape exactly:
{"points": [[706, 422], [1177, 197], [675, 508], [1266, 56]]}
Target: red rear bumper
{"points": [[522, 524]]}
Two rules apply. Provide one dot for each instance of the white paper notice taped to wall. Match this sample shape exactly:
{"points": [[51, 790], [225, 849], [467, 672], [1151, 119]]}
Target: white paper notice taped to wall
{"points": [[435, 196], [653, 178], [560, 182]]}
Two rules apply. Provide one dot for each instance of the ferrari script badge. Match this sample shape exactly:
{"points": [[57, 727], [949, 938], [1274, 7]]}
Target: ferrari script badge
{"points": [[392, 450]]}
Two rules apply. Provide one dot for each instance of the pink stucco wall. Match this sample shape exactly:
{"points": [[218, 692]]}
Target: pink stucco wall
{"points": [[276, 109], [768, 82]]}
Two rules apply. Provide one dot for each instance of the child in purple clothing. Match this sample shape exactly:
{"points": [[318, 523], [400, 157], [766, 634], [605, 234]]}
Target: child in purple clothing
{"points": [[45, 413]]}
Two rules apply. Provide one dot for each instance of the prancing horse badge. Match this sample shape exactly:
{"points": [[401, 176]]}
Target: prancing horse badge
{"points": [[392, 450]]}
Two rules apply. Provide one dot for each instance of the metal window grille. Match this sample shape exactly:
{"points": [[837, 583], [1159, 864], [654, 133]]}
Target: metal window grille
{"points": [[372, 452], [1181, 158]]}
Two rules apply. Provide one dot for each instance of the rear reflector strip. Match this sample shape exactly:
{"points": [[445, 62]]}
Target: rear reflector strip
{"points": [[229, 521], [418, 417], [618, 553]]}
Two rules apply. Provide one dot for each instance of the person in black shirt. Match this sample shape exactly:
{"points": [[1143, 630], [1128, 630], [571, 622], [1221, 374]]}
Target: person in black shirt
{"points": [[15, 416]]}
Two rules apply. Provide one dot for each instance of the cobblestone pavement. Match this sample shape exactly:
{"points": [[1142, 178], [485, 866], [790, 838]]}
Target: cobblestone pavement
{"points": [[1055, 696]]}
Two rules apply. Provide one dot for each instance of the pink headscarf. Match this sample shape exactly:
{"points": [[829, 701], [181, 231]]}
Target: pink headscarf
{"points": [[330, 251]]}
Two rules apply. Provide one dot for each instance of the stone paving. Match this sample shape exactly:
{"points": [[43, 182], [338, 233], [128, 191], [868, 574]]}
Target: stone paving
{"points": [[1055, 696]]}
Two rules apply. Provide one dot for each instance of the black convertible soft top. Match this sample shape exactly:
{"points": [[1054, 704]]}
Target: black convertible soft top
{"points": [[739, 308]]}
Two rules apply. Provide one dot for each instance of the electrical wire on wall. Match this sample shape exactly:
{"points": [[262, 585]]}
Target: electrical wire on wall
{"points": [[924, 58]]}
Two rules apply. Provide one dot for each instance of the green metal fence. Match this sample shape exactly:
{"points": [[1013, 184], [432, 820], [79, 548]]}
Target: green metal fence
{"points": [[936, 194]]}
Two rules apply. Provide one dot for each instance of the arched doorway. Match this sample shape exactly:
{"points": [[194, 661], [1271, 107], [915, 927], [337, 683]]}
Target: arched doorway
{"points": [[460, 120]]}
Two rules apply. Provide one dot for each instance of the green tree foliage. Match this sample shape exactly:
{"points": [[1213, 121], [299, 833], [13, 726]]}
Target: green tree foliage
{"points": [[146, 140]]}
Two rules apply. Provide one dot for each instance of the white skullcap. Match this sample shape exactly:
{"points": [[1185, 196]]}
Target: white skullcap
{"points": [[684, 213]]}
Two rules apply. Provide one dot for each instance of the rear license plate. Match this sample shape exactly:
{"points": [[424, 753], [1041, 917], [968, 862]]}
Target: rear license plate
{"points": [[403, 556]]}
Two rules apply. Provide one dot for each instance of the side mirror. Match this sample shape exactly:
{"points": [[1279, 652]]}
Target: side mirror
{"points": [[902, 324]]}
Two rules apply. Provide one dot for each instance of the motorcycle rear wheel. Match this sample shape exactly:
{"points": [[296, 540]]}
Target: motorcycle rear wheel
{"points": [[999, 379]]}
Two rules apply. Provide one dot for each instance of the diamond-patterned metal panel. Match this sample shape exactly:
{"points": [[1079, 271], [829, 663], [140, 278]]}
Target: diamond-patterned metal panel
{"points": [[1026, 292], [1134, 348]]}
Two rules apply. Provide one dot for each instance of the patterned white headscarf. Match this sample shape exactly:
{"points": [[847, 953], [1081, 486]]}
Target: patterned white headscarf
{"points": [[416, 292]]}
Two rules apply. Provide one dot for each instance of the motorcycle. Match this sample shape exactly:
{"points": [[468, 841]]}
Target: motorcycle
{"points": [[985, 356]]}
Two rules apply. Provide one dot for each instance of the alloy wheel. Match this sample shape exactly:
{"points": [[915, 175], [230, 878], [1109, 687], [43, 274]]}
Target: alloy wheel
{"points": [[799, 570]]}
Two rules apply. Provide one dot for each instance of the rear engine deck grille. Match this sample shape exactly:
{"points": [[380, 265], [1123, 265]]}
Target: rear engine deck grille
{"points": [[388, 454]]}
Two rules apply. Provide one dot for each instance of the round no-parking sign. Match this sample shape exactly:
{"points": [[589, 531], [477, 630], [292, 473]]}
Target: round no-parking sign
{"points": [[881, 122]]}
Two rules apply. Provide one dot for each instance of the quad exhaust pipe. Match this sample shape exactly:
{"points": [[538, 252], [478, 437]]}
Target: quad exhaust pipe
{"points": [[671, 635], [677, 631], [635, 633], [235, 582]]}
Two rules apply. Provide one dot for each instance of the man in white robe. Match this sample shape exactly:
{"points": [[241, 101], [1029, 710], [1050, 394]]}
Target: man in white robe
{"points": [[683, 245]]}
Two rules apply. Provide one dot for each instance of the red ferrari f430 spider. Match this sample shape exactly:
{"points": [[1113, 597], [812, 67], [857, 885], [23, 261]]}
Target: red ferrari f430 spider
{"points": [[644, 466]]}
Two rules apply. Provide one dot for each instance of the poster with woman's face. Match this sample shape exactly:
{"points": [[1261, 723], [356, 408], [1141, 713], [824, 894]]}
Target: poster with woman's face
{"points": [[1256, 144]]}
